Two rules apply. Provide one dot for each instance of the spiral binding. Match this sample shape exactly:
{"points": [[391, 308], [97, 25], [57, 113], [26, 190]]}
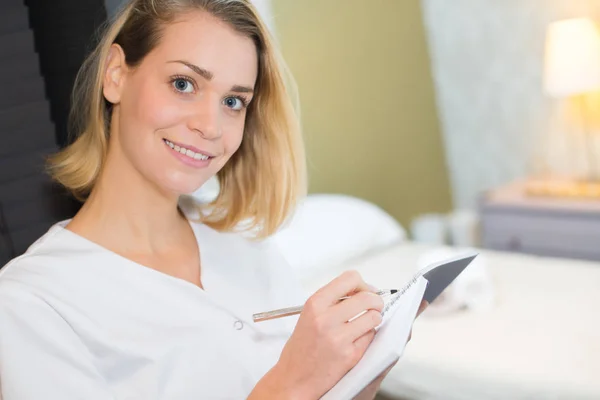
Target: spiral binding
{"points": [[400, 292]]}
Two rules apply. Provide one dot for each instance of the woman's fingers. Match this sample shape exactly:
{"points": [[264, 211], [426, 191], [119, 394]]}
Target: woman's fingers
{"points": [[356, 304], [422, 307], [363, 324], [347, 283], [362, 342]]}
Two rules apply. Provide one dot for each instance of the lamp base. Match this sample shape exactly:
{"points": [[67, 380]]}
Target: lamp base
{"points": [[577, 189]]}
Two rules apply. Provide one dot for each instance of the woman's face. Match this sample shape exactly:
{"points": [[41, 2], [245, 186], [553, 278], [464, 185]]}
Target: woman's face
{"points": [[181, 112]]}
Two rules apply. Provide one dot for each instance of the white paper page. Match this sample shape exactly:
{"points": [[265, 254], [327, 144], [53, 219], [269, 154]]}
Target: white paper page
{"points": [[387, 346]]}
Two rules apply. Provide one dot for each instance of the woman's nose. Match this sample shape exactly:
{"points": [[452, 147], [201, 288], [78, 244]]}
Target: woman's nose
{"points": [[207, 118]]}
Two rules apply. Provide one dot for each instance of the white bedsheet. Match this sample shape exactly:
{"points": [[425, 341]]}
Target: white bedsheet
{"points": [[540, 341]]}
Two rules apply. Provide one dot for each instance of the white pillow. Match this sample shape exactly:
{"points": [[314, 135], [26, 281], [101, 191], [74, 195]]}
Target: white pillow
{"points": [[329, 230]]}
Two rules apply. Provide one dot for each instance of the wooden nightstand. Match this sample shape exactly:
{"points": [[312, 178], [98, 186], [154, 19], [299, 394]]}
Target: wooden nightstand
{"points": [[559, 227]]}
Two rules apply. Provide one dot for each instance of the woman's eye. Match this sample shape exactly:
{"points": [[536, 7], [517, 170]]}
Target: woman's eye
{"points": [[234, 103], [183, 85]]}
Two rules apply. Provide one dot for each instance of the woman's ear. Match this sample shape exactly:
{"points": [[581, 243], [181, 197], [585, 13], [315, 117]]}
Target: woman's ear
{"points": [[114, 74]]}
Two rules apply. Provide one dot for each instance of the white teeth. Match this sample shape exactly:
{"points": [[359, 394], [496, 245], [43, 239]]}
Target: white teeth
{"points": [[183, 150]]}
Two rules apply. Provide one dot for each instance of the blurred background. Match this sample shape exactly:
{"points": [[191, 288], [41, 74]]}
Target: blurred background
{"points": [[431, 126]]}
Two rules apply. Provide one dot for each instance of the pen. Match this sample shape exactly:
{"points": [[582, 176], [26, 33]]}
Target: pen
{"points": [[286, 312]]}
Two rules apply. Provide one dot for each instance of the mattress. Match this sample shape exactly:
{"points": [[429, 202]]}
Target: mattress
{"points": [[540, 340]]}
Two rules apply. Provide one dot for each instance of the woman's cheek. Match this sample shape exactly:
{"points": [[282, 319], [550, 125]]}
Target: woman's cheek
{"points": [[164, 114], [234, 136]]}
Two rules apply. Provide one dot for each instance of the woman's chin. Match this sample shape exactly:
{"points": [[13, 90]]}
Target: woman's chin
{"points": [[178, 183], [181, 188]]}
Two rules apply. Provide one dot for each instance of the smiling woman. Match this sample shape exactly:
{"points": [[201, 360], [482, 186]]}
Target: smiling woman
{"points": [[208, 76], [146, 294]]}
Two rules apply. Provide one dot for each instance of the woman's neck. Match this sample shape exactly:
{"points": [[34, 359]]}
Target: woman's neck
{"points": [[128, 214]]}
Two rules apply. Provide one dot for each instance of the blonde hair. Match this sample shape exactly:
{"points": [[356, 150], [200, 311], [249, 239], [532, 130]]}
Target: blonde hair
{"points": [[264, 179]]}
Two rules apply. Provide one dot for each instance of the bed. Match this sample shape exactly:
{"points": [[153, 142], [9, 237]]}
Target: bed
{"points": [[539, 340]]}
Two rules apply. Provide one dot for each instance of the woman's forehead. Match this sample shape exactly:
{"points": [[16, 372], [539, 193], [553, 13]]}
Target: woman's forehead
{"points": [[201, 39]]}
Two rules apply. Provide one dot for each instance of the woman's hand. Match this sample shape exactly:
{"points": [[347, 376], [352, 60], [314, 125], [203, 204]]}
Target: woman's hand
{"points": [[325, 345]]}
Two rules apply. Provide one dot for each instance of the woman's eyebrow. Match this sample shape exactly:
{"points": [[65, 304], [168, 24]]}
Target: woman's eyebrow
{"points": [[241, 89], [200, 71], [209, 75]]}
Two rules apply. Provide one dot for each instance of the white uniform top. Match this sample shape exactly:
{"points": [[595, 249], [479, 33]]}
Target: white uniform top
{"points": [[78, 321]]}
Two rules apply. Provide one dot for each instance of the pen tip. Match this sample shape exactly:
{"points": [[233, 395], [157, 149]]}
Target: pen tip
{"points": [[393, 291]]}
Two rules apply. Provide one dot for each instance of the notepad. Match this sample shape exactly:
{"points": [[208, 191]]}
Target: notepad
{"points": [[398, 314]]}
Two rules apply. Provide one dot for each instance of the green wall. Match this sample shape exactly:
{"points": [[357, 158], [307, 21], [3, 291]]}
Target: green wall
{"points": [[367, 98]]}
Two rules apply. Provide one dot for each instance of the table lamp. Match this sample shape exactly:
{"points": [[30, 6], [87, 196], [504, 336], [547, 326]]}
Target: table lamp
{"points": [[572, 70]]}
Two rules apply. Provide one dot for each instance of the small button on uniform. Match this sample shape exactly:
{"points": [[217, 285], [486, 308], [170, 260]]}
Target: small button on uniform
{"points": [[238, 325]]}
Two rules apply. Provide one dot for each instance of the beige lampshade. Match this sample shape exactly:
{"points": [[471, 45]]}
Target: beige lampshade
{"points": [[572, 58]]}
